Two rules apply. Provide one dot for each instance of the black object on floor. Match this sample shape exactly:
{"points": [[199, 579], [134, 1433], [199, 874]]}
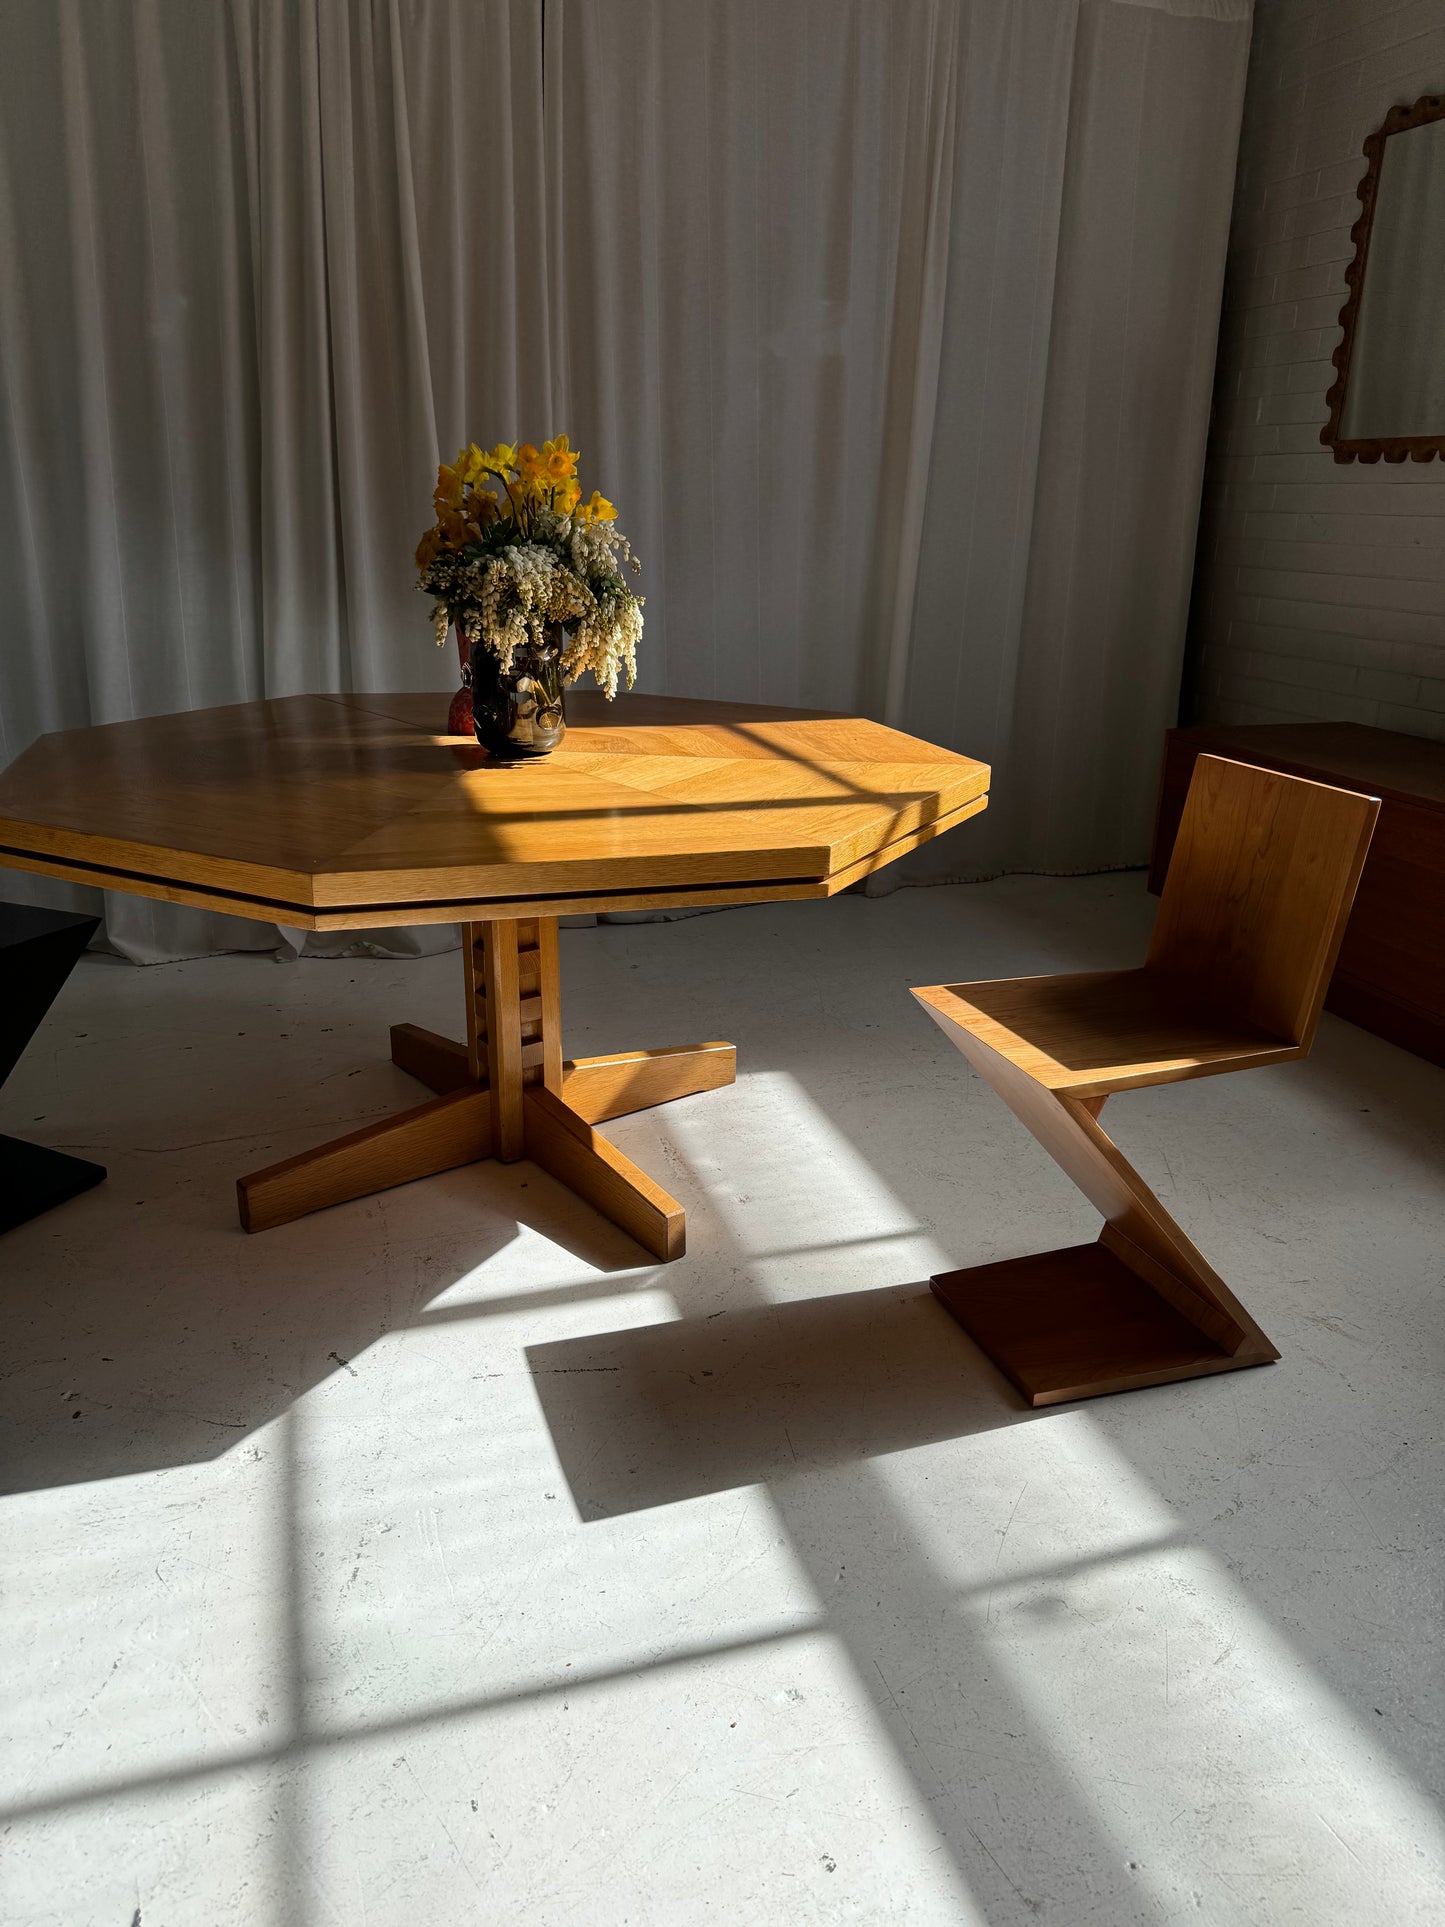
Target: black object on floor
{"points": [[38, 951]]}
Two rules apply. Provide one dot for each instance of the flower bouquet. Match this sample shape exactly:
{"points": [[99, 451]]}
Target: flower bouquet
{"points": [[531, 577]]}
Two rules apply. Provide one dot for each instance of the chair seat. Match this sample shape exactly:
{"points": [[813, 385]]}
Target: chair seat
{"points": [[1108, 1030]]}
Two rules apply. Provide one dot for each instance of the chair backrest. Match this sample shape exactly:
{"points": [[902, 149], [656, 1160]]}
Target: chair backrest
{"points": [[1259, 890]]}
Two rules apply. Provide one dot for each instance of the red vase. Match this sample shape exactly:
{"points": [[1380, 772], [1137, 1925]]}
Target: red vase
{"points": [[459, 716]]}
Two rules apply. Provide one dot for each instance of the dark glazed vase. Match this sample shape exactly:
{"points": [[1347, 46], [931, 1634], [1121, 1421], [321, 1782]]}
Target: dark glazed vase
{"points": [[520, 714]]}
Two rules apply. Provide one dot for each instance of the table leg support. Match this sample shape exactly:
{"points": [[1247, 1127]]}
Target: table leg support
{"points": [[430, 1058], [597, 1088], [436, 1136], [568, 1149], [601, 1087], [506, 1092]]}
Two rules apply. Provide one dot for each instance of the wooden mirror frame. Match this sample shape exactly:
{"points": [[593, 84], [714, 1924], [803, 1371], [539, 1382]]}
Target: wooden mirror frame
{"points": [[1391, 448]]}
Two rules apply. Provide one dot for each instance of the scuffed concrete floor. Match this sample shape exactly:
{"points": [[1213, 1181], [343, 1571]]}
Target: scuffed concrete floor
{"points": [[434, 1560]]}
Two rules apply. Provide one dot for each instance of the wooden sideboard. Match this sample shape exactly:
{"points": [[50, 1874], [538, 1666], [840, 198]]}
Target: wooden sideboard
{"points": [[1390, 977]]}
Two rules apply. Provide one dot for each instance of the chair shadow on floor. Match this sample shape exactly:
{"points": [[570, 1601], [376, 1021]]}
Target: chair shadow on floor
{"points": [[660, 1413]]}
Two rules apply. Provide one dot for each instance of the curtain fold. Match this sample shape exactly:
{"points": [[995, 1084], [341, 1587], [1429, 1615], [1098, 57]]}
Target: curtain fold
{"points": [[749, 205], [1157, 93], [893, 329], [890, 327], [266, 258]]}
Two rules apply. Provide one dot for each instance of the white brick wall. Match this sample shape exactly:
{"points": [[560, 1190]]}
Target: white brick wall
{"points": [[1319, 588]]}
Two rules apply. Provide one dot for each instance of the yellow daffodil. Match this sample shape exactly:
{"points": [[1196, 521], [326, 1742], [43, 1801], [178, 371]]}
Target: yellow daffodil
{"points": [[596, 509], [532, 484], [501, 460], [428, 548], [566, 497], [558, 460], [448, 489]]}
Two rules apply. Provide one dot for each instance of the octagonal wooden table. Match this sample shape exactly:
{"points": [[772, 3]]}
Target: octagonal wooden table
{"points": [[339, 812]]}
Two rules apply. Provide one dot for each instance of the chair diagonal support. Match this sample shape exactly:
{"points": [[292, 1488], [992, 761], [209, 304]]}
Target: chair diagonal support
{"points": [[1142, 1306], [506, 1092]]}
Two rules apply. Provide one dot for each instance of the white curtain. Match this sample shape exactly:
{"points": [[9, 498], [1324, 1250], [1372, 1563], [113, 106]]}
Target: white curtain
{"points": [[893, 325], [889, 323]]}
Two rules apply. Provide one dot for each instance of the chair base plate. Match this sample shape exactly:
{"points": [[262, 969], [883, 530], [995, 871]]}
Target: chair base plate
{"points": [[1079, 1323], [34, 1178]]}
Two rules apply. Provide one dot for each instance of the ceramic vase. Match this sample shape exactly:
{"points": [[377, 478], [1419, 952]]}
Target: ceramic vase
{"points": [[520, 713]]}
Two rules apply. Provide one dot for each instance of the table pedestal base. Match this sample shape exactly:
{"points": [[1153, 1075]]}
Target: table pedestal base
{"points": [[505, 1093]]}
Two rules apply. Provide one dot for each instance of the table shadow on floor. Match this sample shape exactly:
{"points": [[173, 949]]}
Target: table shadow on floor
{"points": [[136, 1342]]}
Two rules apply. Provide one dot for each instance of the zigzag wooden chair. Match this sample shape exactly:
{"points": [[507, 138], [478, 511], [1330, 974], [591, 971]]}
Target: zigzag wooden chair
{"points": [[1254, 906]]}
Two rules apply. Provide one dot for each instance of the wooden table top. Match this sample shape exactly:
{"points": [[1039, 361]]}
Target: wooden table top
{"points": [[333, 812]]}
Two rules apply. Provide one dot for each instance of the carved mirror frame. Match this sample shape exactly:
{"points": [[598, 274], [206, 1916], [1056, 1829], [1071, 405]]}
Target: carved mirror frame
{"points": [[1392, 448]]}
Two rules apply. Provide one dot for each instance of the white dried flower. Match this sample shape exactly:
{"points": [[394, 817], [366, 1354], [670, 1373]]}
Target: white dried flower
{"points": [[566, 572]]}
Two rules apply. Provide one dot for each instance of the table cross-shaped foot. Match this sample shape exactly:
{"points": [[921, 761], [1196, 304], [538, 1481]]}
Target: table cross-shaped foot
{"points": [[506, 1093]]}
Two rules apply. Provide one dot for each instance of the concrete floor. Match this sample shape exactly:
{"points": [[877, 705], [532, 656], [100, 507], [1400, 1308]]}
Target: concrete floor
{"points": [[435, 1561]]}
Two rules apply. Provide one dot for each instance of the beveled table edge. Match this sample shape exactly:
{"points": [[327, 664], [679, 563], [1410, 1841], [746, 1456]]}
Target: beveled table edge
{"points": [[477, 909]]}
